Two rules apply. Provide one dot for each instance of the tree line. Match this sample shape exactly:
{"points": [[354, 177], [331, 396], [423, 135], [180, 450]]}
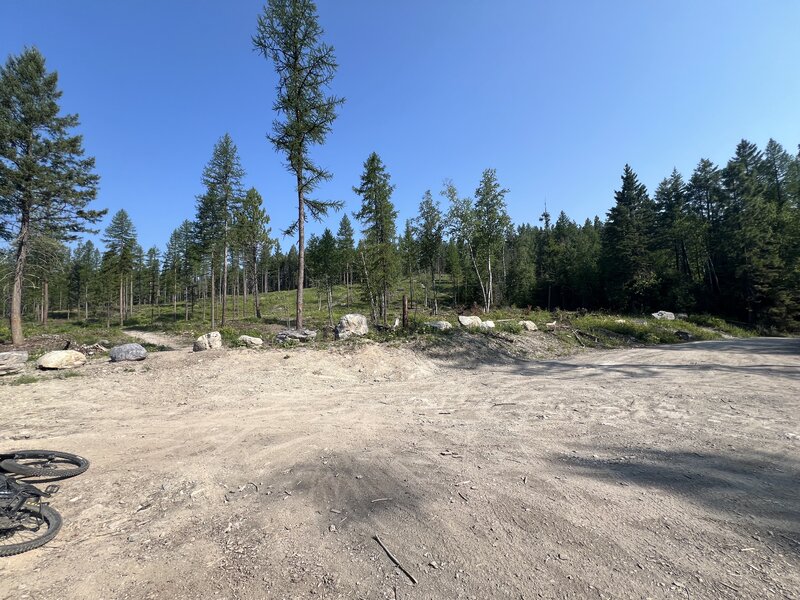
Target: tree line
{"points": [[726, 240]]}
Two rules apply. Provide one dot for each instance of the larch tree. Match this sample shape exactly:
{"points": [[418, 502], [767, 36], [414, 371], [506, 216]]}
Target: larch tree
{"points": [[46, 182], [377, 216], [290, 36]]}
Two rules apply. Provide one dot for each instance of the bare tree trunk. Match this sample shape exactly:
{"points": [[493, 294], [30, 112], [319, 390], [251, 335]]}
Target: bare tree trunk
{"points": [[244, 289], [433, 286], [45, 301], [301, 250], [224, 276], [369, 290], [17, 337], [121, 300], [330, 305], [348, 279], [255, 286], [213, 315], [477, 273], [489, 290]]}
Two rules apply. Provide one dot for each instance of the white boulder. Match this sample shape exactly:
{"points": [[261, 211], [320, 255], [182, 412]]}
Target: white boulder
{"points": [[250, 341], [61, 359], [209, 341], [528, 325], [440, 325], [466, 321], [350, 325], [664, 315]]}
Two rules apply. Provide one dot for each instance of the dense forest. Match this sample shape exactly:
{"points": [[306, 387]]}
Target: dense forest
{"points": [[723, 240]]}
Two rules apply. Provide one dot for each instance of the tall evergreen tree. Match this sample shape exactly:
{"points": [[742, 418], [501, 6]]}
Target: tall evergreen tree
{"points": [[222, 178], [346, 252], [46, 182], [290, 36], [120, 241], [252, 234], [631, 281], [429, 231], [378, 216]]}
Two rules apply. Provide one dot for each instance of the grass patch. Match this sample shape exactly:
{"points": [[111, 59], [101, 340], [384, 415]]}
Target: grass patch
{"points": [[721, 325], [24, 380], [645, 330]]}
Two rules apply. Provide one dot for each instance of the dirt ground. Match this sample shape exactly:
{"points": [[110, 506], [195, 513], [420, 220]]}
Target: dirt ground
{"points": [[667, 472]]}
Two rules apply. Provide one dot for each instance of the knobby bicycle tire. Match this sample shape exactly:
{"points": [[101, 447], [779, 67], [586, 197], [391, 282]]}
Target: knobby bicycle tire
{"points": [[70, 464], [50, 517]]}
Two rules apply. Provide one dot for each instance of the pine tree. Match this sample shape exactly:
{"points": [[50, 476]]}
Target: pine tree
{"points": [[153, 270], [252, 235], [346, 251], [46, 182], [83, 284], [222, 178], [631, 281], [290, 36], [378, 216], [120, 241]]}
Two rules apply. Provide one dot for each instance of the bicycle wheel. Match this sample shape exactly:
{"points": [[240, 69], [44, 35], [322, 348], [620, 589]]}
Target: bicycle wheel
{"points": [[45, 463], [39, 525]]}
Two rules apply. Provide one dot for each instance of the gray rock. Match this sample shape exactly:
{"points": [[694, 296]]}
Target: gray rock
{"points": [[684, 335], [350, 325], [664, 315], [301, 335], [251, 342], [465, 321], [127, 352], [440, 325], [528, 325], [12, 362], [209, 341], [487, 325], [61, 359], [683, 316]]}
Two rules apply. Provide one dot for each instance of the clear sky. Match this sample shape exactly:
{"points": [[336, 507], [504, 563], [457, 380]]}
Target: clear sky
{"points": [[557, 96]]}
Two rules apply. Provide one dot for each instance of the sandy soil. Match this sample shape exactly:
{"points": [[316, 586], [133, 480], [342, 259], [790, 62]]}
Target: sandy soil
{"points": [[668, 472]]}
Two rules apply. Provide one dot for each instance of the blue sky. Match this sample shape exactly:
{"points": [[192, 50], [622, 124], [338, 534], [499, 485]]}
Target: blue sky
{"points": [[556, 96]]}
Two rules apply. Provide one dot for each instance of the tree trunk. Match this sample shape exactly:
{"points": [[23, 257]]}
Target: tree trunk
{"points": [[433, 286], [477, 272], [348, 275], [121, 300], [369, 290], [224, 276], [330, 306], [213, 315], [45, 301], [301, 250], [255, 286]]}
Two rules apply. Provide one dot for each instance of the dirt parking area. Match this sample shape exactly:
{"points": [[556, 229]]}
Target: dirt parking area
{"points": [[668, 472]]}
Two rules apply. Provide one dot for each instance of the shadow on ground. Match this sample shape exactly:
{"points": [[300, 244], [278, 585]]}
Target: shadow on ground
{"points": [[756, 491]]}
